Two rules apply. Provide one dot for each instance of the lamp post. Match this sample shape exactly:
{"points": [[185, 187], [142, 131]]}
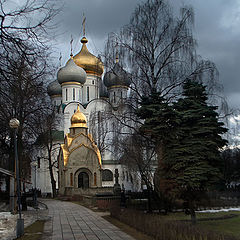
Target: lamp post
{"points": [[14, 124]]}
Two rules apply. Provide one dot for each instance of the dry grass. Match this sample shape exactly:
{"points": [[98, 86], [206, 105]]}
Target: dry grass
{"points": [[127, 229], [168, 228], [34, 231]]}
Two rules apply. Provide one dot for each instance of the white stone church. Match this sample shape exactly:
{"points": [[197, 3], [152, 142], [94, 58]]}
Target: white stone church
{"points": [[87, 102]]}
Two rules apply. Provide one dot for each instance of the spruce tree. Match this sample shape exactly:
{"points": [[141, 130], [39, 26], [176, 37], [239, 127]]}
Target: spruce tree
{"points": [[192, 158], [158, 117], [159, 126]]}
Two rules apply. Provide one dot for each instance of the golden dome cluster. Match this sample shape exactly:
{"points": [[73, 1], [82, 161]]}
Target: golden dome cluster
{"points": [[78, 119], [87, 61]]}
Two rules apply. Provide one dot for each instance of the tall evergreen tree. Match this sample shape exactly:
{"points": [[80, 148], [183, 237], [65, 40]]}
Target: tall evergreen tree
{"points": [[192, 158]]}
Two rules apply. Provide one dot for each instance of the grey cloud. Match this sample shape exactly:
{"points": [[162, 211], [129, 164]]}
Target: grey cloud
{"points": [[218, 39]]}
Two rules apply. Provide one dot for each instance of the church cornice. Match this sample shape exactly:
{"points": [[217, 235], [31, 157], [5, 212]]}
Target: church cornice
{"points": [[71, 83]]}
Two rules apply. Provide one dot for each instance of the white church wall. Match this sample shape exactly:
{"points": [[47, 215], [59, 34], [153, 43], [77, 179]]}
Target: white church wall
{"points": [[72, 92], [40, 175], [90, 88]]}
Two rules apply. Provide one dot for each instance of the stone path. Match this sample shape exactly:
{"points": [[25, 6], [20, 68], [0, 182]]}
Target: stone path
{"points": [[69, 221]]}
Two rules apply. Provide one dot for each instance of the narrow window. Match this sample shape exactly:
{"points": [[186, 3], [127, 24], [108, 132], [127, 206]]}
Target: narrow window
{"points": [[71, 179], [79, 95], [114, 97], [38, 161], [95, 179], [73, 94], [93, 82], [121, 94], [87, 93], [99, 117], [66, 94]]}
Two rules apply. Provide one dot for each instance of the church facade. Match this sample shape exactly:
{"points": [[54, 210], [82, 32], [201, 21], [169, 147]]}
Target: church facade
{"points": [[87, 102]]}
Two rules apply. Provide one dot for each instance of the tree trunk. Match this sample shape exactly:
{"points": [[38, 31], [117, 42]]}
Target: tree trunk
{"points": [[193, 213], [53, 182], [50, 167], [149, 200]]}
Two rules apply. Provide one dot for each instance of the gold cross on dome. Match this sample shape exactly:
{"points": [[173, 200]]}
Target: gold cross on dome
{"points": [[84, 25], [71, 42]]}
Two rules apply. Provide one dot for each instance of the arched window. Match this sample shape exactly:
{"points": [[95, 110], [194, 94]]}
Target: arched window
{"points": [[99, 117], [123, 175], [71, 179], [95, 179], [131, 178], [87, 93], [107, 175], [73, 94], [66, 94]]}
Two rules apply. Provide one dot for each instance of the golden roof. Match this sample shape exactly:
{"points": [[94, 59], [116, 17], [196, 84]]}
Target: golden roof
{"points": [[92, 146], [78, 119], [88, 61]]}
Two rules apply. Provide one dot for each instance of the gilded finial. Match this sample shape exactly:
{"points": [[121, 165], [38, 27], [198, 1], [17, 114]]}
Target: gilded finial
{"points": [[84, 40]]}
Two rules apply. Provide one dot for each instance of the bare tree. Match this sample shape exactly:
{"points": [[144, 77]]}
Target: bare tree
{"points": [[100, 129], [22, 95], [138, 154], [159, 52], [24, 68], [49, 140], [25, 26]]}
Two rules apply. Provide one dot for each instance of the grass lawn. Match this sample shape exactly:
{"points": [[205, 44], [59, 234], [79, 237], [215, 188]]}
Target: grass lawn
{"points": [[127, 229], [228, 226], [34, 231]]}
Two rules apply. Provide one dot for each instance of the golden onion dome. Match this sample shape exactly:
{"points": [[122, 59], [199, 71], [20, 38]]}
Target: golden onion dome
{"points": [[90, 63], [78, 119]]}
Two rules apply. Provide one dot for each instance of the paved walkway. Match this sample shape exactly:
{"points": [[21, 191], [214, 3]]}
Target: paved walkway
{"points": [[69, 221]]}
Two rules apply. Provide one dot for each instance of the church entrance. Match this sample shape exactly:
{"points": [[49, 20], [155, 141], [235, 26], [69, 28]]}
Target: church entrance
{"points": [[83, 180]]}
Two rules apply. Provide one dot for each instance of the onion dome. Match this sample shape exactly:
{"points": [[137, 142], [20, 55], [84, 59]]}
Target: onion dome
{"points": [[78, 119], [88, 61], [54, 89], [116, 77], [103, 93], [71, 73]]}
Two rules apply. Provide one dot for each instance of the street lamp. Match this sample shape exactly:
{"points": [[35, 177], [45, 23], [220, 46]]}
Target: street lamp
{"points": [[14, 124]]}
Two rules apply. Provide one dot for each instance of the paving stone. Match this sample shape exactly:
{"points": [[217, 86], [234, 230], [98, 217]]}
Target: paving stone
{"points": [[70, 221]]}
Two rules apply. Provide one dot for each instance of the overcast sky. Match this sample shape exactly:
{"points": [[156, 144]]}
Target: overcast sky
{"points": [[216, 30]]}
